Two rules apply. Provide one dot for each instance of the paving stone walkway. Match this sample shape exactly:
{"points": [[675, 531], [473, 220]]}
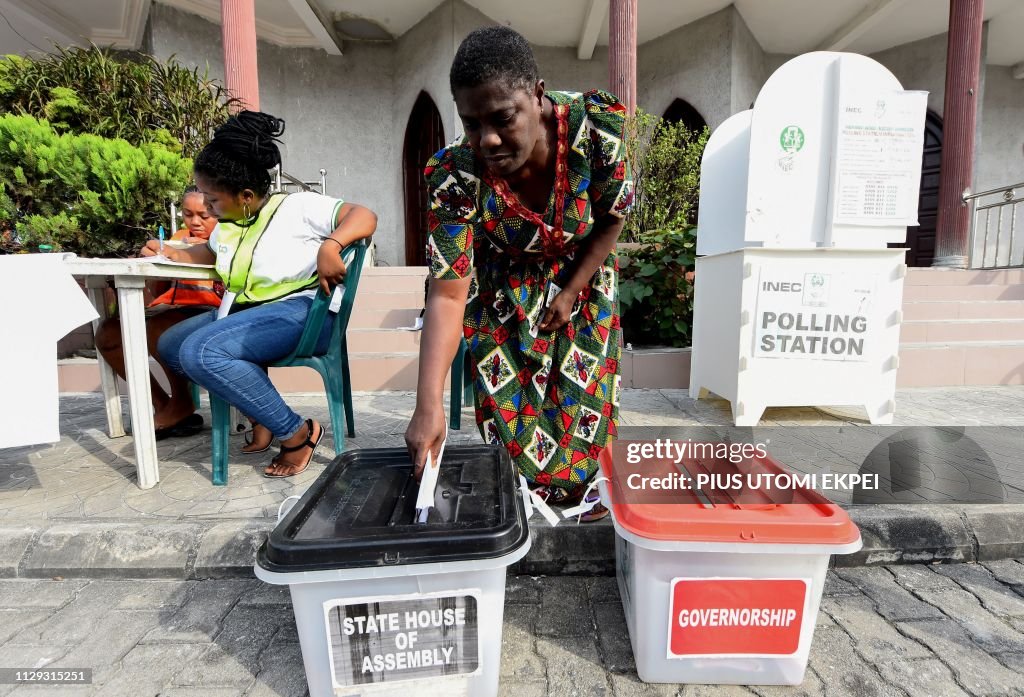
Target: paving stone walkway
{"points": [[89, 476], [913, 631]]}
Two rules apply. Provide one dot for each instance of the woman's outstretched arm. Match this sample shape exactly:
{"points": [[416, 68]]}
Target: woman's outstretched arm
{"points": [[442, 332]]}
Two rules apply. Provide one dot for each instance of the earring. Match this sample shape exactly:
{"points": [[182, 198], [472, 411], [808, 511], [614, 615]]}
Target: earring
{"points": [[246, 213]]}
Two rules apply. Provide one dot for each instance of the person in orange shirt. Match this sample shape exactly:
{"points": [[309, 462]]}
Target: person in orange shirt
{"points": [[175, 301]]}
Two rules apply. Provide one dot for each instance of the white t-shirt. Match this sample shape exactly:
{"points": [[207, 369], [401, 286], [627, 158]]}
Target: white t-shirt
{"points": [[288, 248]]}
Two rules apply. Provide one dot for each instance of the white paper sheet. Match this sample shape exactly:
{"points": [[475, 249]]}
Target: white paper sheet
{"points": [[428, 485], [160, 259], [41, 303]]}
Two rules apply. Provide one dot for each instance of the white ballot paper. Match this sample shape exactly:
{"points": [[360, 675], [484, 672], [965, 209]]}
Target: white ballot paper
{"points": [[41, 303], [428, 483], [161, 259]]}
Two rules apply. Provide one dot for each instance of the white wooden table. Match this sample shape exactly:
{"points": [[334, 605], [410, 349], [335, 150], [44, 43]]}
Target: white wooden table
{"points": [[130, 276]]}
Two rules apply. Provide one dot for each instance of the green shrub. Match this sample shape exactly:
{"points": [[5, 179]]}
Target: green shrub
{"points": [[656, 288], [82, 193], [656, 280], [116, 95], [665, 159]]}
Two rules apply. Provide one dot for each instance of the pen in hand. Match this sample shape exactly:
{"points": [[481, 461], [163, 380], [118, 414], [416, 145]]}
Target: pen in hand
{"points": [[160, 234]]}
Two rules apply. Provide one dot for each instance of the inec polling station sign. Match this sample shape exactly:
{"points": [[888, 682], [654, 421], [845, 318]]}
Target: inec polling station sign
{"points": [[736, 616], [387, 640], [813, 314]]}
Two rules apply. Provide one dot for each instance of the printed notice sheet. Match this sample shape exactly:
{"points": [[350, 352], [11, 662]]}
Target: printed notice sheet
{"points": [[879, 140]]}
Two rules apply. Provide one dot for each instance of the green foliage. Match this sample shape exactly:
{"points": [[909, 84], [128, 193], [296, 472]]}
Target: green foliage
{"points": [[82, 193], [60, 232], [94, 143], [656, 279], [656, 288], [665, 160], [116, 95]]}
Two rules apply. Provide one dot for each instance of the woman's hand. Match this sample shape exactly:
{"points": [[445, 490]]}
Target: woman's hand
{"points": [[558, 311], [152, 249], [329, 266], [427, 431]]}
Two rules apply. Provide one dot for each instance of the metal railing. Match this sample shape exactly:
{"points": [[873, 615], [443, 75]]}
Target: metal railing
{"points": [[994, 227], [286, 182]]}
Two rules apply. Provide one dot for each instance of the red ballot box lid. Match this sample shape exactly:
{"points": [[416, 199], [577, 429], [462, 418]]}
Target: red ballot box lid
{"points": [[720, 511]]}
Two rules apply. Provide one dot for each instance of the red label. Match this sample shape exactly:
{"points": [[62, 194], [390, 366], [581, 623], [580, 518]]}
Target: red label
{"points": [[736, 616]]}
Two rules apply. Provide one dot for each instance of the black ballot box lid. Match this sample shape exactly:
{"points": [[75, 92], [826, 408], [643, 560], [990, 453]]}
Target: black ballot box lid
{"points": [[360, 513]]}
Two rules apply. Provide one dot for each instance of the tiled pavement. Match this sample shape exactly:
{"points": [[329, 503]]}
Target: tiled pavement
{"points": [[913, 631], [88, 476], [928, 630]]}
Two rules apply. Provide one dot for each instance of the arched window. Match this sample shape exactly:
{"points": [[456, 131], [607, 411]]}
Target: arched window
{"points": [[682, 110]]}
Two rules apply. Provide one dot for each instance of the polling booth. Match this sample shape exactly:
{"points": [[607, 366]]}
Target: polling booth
{"points": [[798, 293]]}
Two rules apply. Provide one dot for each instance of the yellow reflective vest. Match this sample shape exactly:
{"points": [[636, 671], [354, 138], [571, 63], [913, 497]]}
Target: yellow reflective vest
{"points": [[236, 245]]}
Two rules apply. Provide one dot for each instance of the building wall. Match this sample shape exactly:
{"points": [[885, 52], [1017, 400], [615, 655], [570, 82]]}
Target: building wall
{"points": [[920, 65], [999, 142], [338, 109], [422, 58], [772, 62], [691, 63], [561, 70], [1001, 157], [748, 65], [349, 113]]}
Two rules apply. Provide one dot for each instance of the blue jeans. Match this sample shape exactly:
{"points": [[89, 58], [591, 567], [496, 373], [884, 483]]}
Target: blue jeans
{"points": [[227, 356]]}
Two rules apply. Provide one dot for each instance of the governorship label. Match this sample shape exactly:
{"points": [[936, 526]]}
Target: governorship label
{"points": [[736, 616]]}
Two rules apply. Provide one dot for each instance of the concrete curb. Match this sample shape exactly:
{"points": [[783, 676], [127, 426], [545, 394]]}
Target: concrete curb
{"points": [[202, 549]]}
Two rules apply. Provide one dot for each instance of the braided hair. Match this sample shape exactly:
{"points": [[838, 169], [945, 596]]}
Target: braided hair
{"points": [[190, 189], [494, 53], [241, 152]]}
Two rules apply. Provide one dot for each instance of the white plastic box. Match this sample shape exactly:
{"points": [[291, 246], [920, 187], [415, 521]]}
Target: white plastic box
{"points": [[484, 581], [396, 608], [679, 566]]}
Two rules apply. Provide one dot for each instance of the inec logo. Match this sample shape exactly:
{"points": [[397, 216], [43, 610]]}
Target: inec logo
{"points": [[816, 289], [791, 139]]}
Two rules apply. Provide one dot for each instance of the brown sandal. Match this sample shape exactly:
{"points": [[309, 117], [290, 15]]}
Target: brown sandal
{"points": [[308, 443], [558, 496]]}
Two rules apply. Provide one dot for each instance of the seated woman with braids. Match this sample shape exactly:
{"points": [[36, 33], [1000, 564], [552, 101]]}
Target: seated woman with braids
{"points": [[272, 252]]}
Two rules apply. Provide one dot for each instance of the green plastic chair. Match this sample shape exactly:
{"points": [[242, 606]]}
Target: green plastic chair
{"points": [[461, 386], [332, 365]]}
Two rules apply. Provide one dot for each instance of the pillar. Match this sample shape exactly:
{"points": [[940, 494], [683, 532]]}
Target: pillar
{"points": [[963, 71], [622, 51], [238, 29]]}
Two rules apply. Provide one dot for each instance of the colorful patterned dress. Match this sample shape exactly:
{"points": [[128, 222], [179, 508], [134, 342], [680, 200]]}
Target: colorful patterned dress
{"points": [[551, 398]]}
